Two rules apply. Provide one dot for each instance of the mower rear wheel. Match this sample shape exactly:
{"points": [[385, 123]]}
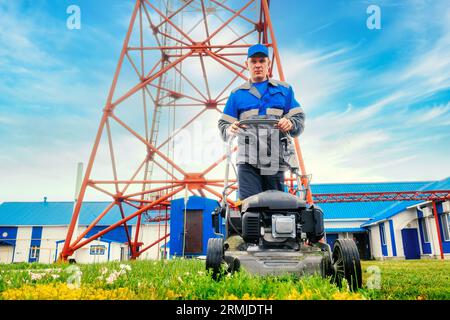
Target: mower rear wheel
{"points": [[233, 264], [346, 264]]}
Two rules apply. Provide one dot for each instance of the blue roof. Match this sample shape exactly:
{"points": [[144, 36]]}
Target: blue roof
{"points": [[368, 187], [361, 210], [59, 213], [400, 206], [443, 184], [353, 210], [390, 211]]}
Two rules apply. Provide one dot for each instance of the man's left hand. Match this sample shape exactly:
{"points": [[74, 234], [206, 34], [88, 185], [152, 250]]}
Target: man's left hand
{"points": [[284, 125]]}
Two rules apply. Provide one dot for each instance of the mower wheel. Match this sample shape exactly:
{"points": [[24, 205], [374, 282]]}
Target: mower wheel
{"points": [[214, 256], [233, 263], [346, 264]]}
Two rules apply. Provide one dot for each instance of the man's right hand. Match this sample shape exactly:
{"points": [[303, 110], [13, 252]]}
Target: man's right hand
{"points": [[233, 129]]}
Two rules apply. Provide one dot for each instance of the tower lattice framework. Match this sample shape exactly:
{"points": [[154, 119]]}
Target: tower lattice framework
{"points": [[179, 61]]}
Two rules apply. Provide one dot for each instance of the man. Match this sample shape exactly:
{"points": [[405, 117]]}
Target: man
{"points": [[261, 98]]}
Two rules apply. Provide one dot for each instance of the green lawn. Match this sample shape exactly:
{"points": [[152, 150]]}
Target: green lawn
{"points": [[187, 279], [409, 279]]}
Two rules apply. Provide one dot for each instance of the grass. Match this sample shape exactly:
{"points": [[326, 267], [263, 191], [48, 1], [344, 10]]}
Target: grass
{"points": [[187, 280], [409, 280]]}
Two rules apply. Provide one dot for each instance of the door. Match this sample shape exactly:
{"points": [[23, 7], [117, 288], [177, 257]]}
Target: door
{"points": [[6, 253], [194, 232], [411, 247], [124, 253], [331, 238], [362, 243]]}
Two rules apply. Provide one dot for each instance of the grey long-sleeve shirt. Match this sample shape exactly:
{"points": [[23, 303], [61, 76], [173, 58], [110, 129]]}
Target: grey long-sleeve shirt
{"points": [[262, 145]]}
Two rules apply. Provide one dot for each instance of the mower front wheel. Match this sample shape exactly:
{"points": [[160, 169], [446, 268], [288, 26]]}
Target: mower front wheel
{"points": [[214, 256]]}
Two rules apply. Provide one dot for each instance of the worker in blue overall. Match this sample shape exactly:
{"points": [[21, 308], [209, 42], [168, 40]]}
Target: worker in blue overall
{"points": [[261, 97]]}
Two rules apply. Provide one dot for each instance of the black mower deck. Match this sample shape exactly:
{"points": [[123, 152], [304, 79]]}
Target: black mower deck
{"points": [[279, 262], [309, 260]]}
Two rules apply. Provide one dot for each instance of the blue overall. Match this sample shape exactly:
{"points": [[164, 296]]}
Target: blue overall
{"points": [[269, 99]]}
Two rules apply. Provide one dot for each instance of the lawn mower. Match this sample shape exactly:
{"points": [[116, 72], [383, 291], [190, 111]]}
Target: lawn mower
{"points": [[276, 232]]}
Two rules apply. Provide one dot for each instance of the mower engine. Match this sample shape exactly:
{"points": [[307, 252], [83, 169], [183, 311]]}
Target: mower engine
{"points": [[275, 219]]}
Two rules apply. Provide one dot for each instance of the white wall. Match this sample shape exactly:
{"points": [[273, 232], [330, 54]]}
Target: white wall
{"points": [[148, 235], [22, 244], [83, 254], [52, 234], [343, 224], [49, 247], [375, 241], [387, 230], [114, 254]]}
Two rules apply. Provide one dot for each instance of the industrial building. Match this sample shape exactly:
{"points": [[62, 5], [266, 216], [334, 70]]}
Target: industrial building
{"points": [[410, 229], [35, 231]]}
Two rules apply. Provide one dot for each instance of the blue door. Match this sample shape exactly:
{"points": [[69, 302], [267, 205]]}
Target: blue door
{"points": [[331, 238], [411, 243]]}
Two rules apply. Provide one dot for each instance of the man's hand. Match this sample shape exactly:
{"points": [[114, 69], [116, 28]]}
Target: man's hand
{"points": [[233, 129], [284, 125]]}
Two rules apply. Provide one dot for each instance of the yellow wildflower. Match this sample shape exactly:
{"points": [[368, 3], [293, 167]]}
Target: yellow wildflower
{"points": [[62, 292]]}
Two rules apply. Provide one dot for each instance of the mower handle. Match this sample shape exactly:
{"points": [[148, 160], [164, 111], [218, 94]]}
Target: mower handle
{"points": [[258, 121]]}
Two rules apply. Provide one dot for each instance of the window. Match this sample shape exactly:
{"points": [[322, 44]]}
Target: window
{"points": [[382, 234], [34, 254], [97, 250], [445, 220], [423, 223]]}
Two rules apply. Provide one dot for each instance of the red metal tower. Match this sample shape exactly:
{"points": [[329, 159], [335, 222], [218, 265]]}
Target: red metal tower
{"points": [[179, 60], [185, 54]]}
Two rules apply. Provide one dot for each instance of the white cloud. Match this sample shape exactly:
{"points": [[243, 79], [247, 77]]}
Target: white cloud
{"points": [[318, 75], [347, 141], [379, 141], [433, 116], [17, 46], [7, 120]]}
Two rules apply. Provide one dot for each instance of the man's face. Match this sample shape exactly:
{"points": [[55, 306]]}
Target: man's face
{"points": [[258, 66]]}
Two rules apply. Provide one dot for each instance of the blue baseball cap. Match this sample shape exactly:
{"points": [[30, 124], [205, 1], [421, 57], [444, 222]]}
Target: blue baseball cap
{"points": [[257, 48]]}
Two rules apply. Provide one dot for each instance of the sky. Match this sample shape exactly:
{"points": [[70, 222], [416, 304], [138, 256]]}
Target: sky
{"points": [[377, 101]]}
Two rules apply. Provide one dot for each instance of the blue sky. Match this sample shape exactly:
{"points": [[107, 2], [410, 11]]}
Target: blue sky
{"points": [[377, 101]]}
